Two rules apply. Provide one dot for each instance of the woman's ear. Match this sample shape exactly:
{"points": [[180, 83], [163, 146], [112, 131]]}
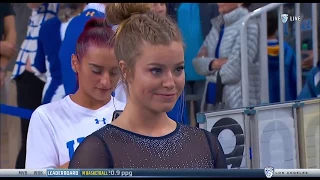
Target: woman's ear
{"points": [[74, 63], [124, 71]]}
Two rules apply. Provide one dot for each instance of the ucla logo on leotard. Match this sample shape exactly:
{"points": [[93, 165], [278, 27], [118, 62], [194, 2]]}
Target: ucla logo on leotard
{"points": [[102, 121], [71, 147]]}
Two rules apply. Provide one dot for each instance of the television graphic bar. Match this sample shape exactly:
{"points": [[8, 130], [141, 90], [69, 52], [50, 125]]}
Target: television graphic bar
{"points": [[175, 173]]}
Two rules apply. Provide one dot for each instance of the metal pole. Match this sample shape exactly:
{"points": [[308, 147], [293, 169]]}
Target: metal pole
{"points": [[244, 65], [281, 57], [315, 33], [298, 48], [264, 70]]}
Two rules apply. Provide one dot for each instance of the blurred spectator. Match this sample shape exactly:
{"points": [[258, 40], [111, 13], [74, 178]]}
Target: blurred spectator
{"points": [[22, 14], [193, 20], [311, 88], [274, 61], [220, 56], [160, 8], [47, 61], [29, 87], [307, 62], [68, 45], [8, 37]]}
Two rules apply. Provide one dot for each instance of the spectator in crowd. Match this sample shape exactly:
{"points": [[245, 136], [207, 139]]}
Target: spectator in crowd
{"points": [[311, 88], [68, 45], [29, 86], [193, 20], [47, 61], [307, 55], [57, 128], [8, 37], [220, 56], [273, 61], [160, 8], [149, 49]]}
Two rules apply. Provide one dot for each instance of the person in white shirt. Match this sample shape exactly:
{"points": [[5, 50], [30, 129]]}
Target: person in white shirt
{"points": [[29, 86], [57, 128]]}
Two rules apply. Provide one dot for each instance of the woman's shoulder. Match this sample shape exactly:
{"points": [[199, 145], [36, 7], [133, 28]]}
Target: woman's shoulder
{"points": [[195, 130], [51, 108]]}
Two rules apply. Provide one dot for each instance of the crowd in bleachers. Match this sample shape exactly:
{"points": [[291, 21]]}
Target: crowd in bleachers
{"points": [[56, 60]]}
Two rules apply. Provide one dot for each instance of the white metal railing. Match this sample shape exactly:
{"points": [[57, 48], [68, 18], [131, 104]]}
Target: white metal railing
{"points": [[315, 33], [298, 48], [264, 87], [264, 78], [281, 57]]}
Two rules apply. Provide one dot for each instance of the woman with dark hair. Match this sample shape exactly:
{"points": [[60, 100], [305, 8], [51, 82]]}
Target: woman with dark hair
{"points": [[68, 46], [47, 63], [57, 128]]}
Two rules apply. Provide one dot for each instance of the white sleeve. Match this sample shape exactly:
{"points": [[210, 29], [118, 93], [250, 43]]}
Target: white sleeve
{"points": [[41, 151]]}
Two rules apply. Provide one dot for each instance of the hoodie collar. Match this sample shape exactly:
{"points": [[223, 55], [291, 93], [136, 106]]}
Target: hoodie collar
{"points": [[96, 6]]}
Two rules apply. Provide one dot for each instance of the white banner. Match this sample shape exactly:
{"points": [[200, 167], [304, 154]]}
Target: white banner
{"points": [[310, 134], [277, 144], [229, 127]]}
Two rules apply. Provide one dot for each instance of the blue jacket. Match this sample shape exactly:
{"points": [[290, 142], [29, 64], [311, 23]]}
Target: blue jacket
{"points": [[274, 72], [311, 88], [48, 48]]}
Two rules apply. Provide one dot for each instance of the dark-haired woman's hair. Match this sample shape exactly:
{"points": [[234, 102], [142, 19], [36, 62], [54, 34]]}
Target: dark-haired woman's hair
{"points": [[68, 10], [95, 33]]}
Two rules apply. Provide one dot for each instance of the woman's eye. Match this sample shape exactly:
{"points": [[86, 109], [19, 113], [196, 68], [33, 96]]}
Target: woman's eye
{"points": [[96, 70], [156, 71], [180, 68]]}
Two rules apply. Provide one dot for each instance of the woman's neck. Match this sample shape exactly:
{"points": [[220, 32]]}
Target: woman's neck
{"points": [[86, 101], [141, 120]]}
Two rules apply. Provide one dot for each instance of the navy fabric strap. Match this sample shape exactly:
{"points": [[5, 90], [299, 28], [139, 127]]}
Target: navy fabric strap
{"points": [[214, 91], [219, 41]]}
